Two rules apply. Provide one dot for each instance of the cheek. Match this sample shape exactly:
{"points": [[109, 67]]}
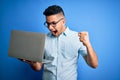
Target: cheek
{"points": [[60, 29]]}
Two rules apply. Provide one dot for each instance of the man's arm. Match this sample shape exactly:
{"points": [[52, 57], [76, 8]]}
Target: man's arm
{"points": [[91, 58], [34, 65]]}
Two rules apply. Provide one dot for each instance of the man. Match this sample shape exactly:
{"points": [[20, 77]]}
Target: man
{"points": [[62, 48]]}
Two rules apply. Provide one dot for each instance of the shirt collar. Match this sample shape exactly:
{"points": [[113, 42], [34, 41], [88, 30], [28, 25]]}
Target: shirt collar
{"points": [[66, 32]]}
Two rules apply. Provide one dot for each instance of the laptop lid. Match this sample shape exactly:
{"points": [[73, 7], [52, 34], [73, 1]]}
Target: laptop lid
{"points": [[27, 45]]}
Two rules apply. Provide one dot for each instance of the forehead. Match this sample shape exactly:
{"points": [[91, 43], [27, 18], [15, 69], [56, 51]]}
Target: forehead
{"points": [[53, 17]]}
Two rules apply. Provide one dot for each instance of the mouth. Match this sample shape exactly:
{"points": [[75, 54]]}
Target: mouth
{"points": [[54, 32]]}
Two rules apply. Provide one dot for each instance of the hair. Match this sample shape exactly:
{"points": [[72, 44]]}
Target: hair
{"points": [[54, 9]]}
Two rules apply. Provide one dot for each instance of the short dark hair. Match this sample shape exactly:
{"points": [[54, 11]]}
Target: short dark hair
{"points": [[54, 9]]}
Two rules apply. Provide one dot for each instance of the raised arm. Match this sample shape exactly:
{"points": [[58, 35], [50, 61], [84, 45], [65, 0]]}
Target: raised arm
{"points": [[91, 58]]}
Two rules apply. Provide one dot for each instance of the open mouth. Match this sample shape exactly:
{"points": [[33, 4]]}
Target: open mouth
{"points": [[54, 32]]}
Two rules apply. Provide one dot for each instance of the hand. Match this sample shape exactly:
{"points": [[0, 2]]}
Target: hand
{"points": [[84, 38], [35, 65], [27, 61]]}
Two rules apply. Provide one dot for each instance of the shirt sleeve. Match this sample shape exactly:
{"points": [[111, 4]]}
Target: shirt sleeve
{"points": [[82, 50]]}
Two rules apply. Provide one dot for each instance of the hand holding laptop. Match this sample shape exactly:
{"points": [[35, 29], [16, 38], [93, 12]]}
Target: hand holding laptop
{"points": [[34, 65], [28, 47]]}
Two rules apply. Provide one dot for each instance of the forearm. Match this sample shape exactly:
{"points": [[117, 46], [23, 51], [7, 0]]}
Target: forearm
{"points": [[92, 58]]}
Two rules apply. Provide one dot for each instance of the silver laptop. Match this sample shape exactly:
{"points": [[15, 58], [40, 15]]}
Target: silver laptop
{"points": [[27, 45]]}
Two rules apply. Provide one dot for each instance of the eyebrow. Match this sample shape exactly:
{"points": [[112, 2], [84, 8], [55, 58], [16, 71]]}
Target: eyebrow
{"points": [[54, 21]]}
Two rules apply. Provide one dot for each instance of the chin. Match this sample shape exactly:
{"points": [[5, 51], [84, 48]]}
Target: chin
{"points": [[56, 35]]}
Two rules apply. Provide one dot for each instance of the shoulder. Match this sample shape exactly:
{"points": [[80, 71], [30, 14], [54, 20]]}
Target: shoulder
{"points": [[70, 32], [73, 34]]}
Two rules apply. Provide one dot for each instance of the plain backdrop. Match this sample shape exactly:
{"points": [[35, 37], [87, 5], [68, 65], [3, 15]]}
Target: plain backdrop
{"points": [[101, 18]]}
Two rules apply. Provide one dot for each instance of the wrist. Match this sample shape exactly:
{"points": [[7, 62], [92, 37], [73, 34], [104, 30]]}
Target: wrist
{"points": [[88, 44]]}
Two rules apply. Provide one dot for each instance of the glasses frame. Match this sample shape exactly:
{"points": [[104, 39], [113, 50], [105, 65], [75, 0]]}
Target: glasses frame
{"points": [[53, 24]]}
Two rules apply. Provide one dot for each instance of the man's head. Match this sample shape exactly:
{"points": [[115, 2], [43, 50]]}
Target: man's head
{"points": [[55, 20], [54, 9]]}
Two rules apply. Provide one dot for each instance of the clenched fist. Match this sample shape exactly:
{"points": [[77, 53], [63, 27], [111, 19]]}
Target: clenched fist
{"points": [[84, 38]]}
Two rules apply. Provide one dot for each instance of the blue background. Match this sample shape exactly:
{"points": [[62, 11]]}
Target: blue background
{"points": [[101, 18]]}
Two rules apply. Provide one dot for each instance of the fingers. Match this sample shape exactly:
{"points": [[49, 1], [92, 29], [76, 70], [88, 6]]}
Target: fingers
{"points": [[84, 38], [83, 35], [80, 34], [27, 61], [23, 60]]}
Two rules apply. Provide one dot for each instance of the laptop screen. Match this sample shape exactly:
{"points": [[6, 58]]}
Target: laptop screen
{"points": [[27, 45]]}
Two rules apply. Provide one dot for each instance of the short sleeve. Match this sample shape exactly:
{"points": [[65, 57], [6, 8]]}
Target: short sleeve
{"points": [[82, 50]]}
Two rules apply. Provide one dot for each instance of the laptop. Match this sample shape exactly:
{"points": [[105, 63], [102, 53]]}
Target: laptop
{"points": [[27, 45]]}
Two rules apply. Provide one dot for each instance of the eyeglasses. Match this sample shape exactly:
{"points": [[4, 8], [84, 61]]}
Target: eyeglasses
{"points": [[47, 24]]}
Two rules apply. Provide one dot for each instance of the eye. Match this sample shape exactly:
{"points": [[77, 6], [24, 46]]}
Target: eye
{"points": [[54, 23]]}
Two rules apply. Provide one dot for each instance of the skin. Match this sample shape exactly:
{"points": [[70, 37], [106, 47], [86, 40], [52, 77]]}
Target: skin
{"points": [[60, 26], [91, 59]]}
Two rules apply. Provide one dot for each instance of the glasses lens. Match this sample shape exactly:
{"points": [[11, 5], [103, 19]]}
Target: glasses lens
{"points": [[52, 23]]}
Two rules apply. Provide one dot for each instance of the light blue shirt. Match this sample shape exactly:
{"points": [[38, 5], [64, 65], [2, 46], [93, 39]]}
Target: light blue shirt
{"points": [[63, 53]]}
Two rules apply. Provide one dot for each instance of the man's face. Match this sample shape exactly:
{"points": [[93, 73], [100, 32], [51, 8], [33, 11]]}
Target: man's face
{"points": [[56, 24]]}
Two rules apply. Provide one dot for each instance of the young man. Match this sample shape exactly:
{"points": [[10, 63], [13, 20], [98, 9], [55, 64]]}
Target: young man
{"points": [[62, 48]]}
